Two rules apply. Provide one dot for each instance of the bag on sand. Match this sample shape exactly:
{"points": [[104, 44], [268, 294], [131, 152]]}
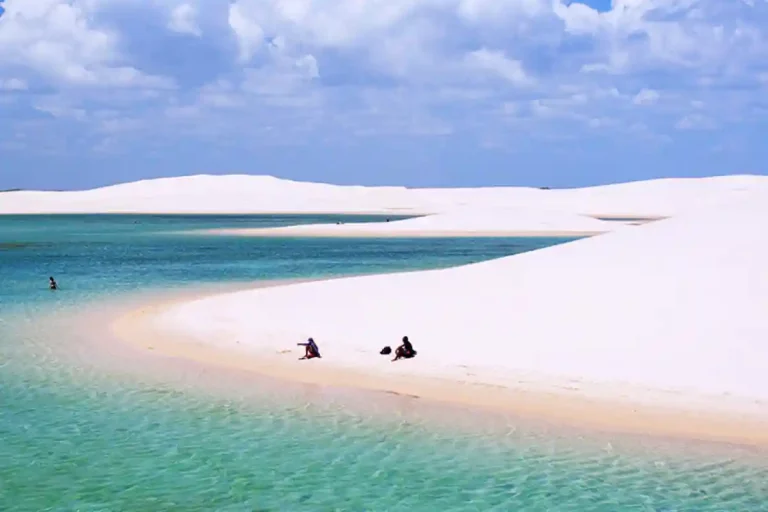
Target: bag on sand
{"points": [[385, 351]]}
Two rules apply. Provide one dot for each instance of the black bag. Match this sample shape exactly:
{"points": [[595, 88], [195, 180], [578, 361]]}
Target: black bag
{"points": [[385, 351]]}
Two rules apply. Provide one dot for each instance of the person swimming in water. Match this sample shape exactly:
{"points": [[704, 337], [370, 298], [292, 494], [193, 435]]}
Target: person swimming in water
{"points": [[52, 283], [404, 351], [311, 349]]}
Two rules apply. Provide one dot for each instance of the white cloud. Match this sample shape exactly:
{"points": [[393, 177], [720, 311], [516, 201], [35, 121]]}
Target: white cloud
{"points": [[643, 34], [182, 112], [501, 11], [510, 108], [13, 84], [58, 109], [342, 23], [183, 20], [250, 35], [221, 94], [539, 108], [283, 85], [114, 125], [646, 97], [283, 73], [497, 63], [577, 17], [420, 66], [55, 38]]}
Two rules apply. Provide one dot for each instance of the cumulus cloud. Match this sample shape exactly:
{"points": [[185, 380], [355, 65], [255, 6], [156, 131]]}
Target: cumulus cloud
{"points": [[339, 24], [183, 20], [501, 11], [249, 34], [472, 68], [56, 39], [665, 34], [497, 63]]}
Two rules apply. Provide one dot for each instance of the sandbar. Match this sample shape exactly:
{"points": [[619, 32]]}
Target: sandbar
{"points": [[623, 410]]}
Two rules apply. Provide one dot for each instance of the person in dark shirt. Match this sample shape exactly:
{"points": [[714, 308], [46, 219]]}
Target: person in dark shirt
{"points": [[52, 284], [405, 351], [311, 349]]}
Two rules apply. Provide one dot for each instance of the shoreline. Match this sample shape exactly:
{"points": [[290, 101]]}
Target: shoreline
{"points": [[594, 407]]}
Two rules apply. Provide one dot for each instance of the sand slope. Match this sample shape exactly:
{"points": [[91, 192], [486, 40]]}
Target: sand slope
{"points": [[679, 304]]}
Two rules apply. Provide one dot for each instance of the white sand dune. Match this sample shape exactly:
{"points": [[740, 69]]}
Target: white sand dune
{"points": [[679, 305], [236, 194], [644, 199], [490, 211], [266, 194]]}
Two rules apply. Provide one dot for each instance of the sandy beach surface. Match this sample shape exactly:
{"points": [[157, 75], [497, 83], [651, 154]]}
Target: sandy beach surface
{"points": [[654, 328], [575, 403]]}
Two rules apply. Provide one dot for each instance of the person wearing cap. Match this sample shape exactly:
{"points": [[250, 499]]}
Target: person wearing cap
{"points": [[311, 349]]}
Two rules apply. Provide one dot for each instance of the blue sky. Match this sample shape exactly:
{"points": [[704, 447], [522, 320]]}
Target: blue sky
{"points": [[413, 92]]}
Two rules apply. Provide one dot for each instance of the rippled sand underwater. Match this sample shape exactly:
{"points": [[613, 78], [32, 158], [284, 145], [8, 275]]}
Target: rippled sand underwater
{"points": [[92, 442], [88, 426]]}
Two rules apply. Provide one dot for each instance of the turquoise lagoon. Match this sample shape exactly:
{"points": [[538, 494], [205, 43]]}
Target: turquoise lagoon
{"points": [[83, 428]]}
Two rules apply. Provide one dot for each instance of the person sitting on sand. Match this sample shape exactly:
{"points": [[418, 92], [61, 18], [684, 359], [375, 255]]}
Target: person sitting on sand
{"points": [[52, 284], [404, 351], [311, 349]]}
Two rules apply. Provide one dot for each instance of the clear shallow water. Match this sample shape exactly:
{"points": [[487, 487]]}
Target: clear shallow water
{"points": [[78, 435], [92, 255]]}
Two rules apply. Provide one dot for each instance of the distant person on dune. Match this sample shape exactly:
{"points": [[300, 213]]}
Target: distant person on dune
{"points": [[311, 350], [52, 283], [405, 351]]}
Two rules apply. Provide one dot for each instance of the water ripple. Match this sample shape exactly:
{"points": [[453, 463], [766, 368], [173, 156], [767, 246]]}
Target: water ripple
{"points": [[82, 434]]}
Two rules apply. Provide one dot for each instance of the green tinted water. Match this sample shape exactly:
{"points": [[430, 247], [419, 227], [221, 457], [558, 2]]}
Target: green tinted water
{"points": [[77, 435]]}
